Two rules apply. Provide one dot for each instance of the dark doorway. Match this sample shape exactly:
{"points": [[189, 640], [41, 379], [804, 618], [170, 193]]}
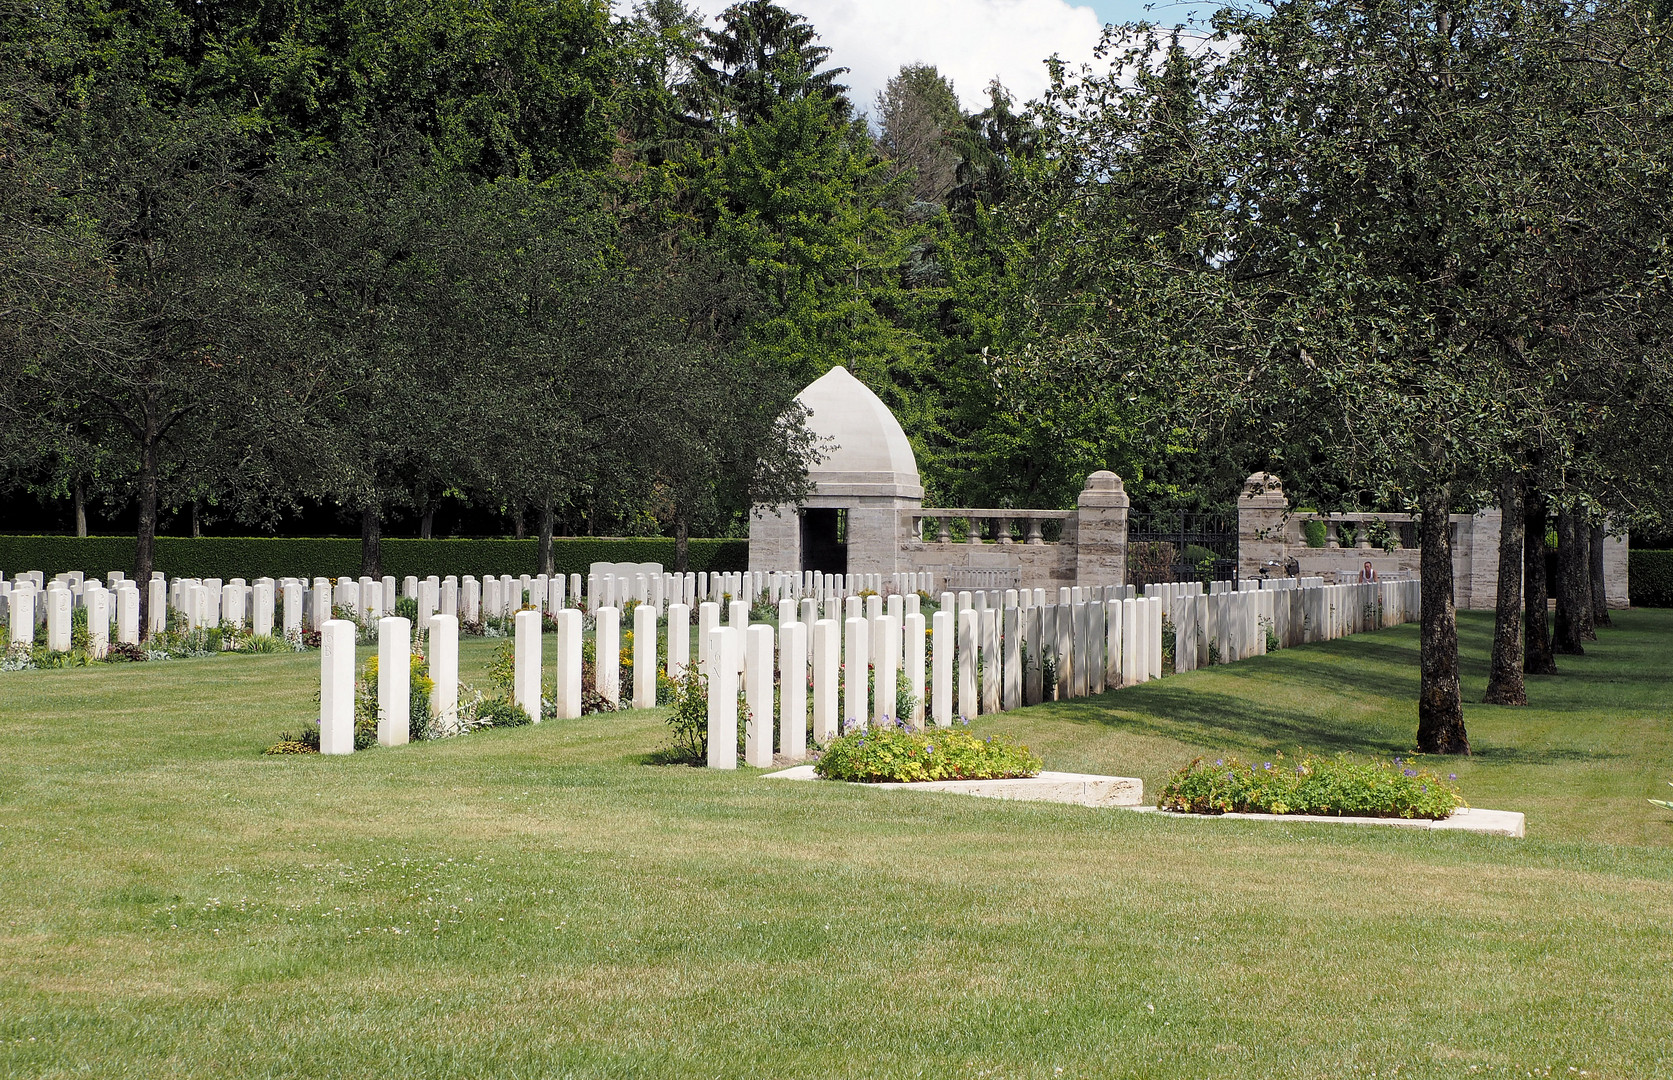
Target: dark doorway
{"points": [[825, 541]]}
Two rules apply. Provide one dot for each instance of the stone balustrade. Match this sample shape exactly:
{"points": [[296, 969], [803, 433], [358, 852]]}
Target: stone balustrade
{"points": [[988, 526]]}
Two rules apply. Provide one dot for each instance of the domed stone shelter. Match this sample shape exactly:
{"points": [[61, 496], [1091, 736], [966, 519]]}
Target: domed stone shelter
{"points": [[865, 513], [867, 477]]}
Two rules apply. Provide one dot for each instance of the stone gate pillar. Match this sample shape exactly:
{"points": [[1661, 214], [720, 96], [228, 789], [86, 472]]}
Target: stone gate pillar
{"points": [[1262, 511], [1101, 531]]}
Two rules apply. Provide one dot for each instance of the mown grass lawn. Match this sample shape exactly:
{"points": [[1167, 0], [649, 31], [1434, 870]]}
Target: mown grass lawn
{"points": [[538, 902]]}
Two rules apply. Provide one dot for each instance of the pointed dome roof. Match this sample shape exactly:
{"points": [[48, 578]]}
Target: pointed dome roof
{"points": [[866, 452]]}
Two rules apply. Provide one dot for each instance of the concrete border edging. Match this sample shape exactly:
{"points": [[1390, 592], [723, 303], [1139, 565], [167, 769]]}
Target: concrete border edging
{"points": [[1079, 789], [1510, 823]]}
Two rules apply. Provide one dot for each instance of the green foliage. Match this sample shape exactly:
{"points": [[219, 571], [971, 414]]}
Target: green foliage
{"points": [[502, 668], [896, 754], [264, 643], [305, 741], [1315, 531], [1380, 535], [289, 745], [1650, 578], [501, 712], [687, 695], [1338, 787], [253, 557]]}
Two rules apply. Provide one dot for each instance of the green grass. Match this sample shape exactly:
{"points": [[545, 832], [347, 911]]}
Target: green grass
{"points": [[537, 902]]}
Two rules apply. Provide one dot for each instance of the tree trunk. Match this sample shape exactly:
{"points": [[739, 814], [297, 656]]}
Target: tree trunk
{"points": [[1504, 679], [197, 526], [1573, 594], [80, 496], [682, 545], [519, 529], [146, 539], [1583, 552], [1440, 704], [1537, 658], [546, 521], [1600, 592], [371, 541], [427, 522]]}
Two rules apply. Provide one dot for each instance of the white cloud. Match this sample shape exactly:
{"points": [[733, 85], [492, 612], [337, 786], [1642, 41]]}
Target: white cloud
{"points": [[969, 41]]}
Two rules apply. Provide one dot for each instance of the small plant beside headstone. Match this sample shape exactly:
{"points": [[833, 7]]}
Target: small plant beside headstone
{"points": [[1341, 786], [894, 753]]}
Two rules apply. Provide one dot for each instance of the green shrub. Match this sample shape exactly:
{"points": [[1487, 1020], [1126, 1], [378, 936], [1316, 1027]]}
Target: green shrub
{"points": [[292, 746], [1315, 532], [1337, 787], [1650, 578], [501, 712], [305, 741], [687, 695], [894, 754], [251, 557], [264, 643]]}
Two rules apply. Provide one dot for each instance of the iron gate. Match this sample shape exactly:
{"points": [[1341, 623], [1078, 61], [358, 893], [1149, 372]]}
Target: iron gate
{"points": [[1179, 546]]}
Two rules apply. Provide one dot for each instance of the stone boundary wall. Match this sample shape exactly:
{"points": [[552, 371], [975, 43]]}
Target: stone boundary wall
{"points": [[1271, 535]]}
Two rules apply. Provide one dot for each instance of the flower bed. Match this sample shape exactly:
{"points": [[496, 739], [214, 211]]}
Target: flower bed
{"points": [[1337, 787], [901, 755]]}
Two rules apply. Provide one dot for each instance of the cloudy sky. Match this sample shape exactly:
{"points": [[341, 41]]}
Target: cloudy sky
{"points": [[970, 41]]}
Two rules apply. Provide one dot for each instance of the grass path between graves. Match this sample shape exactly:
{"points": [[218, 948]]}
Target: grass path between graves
{"points": [[538, 903]]}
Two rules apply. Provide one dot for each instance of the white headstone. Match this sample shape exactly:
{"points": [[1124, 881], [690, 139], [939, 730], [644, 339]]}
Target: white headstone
{"points": [[97, 601], [968, 645], [127, 613], [607, 645], [827, 668], [59, 601], [887, 651], [567, 683], [443, 643], [1011, 688], [913, 666], [644, 657], [679, 639], [856, 655], [525, 664], [394, 680], [23, 615], [758, 695], [722, 674], [336, 698], [792, 739]]}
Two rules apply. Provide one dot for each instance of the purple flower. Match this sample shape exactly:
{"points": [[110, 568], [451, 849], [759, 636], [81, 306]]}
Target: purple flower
{"points": [[929, 749], [1409, 772], [1452, 776], [1396, 761], [1219, 761], [1267, 766]]}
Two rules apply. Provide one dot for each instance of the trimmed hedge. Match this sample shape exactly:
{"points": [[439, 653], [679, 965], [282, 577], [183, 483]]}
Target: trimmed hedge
{"points": [[257, 556], [1650, 578]]}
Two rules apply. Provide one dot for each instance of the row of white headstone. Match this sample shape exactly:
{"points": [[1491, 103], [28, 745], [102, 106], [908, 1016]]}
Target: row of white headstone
{"points": [[1094, 642], [291, 605], [650, 585], [1095, 639], [29, 601]]}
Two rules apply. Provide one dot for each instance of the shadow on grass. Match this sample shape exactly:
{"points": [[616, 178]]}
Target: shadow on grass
{"points": [[1550, 755], [665, 756], [1201, 717]]}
